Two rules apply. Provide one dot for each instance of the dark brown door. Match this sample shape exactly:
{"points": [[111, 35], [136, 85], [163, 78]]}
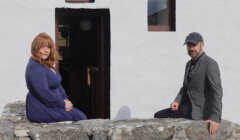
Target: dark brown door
{"points": [[83, 41]]}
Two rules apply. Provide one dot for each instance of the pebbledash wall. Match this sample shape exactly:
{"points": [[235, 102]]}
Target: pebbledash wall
{"points": [[146, 67]]}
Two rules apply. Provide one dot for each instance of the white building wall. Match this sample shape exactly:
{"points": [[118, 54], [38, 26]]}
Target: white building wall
{"points": [[146, 67]]}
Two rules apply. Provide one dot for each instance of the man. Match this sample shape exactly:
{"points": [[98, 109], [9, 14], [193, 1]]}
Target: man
{"points": [[201, 94]]}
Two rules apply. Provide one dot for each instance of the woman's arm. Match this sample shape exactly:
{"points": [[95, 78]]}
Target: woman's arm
{"points": [[37, 79], [63, 93]]}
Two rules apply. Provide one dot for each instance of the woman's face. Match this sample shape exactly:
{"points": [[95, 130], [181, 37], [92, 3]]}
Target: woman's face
{"points": [[44, 52]]}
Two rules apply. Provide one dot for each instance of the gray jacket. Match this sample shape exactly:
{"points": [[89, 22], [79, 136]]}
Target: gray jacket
{"points": [[204, 89]]}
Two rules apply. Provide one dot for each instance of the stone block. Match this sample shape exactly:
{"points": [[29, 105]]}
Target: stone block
{"points": [[6, 130]]}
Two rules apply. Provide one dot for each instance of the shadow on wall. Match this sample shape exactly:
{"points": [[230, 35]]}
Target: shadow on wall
{"points": [[123, 113]]}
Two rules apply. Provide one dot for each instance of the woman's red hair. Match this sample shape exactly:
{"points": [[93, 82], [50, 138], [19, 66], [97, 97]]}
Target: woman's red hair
{"points": [[39, 41]]}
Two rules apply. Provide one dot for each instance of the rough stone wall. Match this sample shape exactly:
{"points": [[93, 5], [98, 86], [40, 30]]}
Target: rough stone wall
{"points": [[15, 126]]}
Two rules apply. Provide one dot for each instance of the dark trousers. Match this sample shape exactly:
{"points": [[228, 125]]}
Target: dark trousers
{"points": [[184, 111]]}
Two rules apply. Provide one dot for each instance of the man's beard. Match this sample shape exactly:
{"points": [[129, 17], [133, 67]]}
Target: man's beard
{"points": [[194, 54]]}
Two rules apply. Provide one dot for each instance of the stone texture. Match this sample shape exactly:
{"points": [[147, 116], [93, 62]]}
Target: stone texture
{"points": [[15, 126], [22, 128], [14, 112], [6, 130], [22, 138]]}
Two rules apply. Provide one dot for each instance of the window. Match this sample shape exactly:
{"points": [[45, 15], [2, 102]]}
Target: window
{"points": [[161, 15], [63, 40], [80, 0]]}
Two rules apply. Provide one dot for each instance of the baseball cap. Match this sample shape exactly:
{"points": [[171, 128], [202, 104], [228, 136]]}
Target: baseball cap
{"points": [[194, 38]]}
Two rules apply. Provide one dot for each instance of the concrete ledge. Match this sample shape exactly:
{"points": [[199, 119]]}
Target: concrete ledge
{"points": [[15, 126]]}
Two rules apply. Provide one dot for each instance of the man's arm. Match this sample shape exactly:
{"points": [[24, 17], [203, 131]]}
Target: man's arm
{"points": [[214, 83], [182, 91], [180, 95]]}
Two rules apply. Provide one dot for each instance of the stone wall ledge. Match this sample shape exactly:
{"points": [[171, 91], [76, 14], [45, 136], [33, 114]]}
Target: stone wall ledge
{"points": [[15, 126]]}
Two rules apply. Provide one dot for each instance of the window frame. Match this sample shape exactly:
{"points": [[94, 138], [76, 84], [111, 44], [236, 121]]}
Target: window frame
{"points": [[75, 1], [171, 20]]}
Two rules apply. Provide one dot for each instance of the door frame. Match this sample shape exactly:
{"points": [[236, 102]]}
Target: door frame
{"points": [[103, 99]]}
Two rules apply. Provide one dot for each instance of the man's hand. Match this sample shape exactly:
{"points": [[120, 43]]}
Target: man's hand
{"points": [[174, 106], [213, 126]]}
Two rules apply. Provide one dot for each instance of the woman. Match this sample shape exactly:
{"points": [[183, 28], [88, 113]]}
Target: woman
{"points": [[47, 101]]}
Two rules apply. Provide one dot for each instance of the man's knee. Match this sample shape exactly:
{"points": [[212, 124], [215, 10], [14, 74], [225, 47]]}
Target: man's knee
{"points": [[160, 114], [156, 115]]}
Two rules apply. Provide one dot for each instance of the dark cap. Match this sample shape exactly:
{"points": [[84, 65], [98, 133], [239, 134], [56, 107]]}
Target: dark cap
{"points": [[194, 38]]}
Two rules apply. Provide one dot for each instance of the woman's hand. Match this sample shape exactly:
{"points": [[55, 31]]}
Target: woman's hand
{"points": [[68, 105]]}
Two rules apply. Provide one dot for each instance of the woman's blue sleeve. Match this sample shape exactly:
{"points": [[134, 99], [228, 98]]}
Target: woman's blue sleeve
{"points": [[63, 93], [39, 84]]}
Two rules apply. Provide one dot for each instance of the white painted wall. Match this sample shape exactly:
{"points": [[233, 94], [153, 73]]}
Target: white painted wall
{"points": [[146, 67]]}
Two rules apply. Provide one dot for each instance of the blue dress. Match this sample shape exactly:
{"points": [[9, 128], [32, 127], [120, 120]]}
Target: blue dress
{"points": [[44, 103]]}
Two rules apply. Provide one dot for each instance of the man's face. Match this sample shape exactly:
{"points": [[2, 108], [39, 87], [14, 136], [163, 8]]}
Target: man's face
{"points": [[195, 50]]}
